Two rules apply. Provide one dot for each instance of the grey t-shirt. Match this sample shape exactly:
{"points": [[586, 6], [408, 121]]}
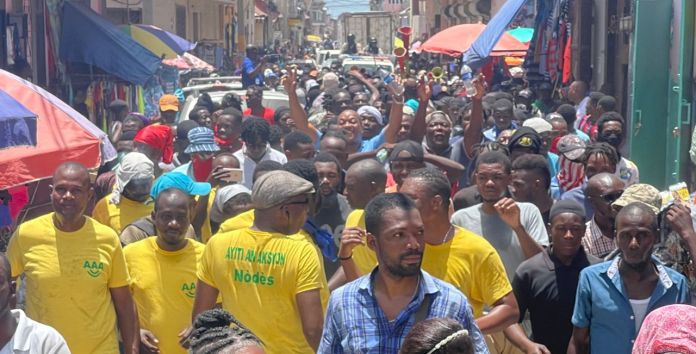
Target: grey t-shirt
{"points": [[500, 235]]}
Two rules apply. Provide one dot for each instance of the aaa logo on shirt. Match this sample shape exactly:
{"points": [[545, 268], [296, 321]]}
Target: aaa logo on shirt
{"points": [[189, 289], [94, 269]]}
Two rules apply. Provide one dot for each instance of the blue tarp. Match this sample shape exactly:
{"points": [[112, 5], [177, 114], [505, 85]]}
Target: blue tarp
{"points": [[17, 123], [482, 46], [91, 39]]}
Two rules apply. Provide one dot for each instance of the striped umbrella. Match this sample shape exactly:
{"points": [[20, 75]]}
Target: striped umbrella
{"points": [[158, 41]]}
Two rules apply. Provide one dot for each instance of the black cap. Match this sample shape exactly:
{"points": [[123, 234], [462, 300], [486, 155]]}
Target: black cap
{"points": [[410, 146], [525, 137]]}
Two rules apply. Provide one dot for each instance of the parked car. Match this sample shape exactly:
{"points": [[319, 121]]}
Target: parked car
{"points": [[271, 99]]}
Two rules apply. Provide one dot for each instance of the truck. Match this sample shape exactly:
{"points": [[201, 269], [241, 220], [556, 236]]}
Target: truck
{"points": [[379, 24]]}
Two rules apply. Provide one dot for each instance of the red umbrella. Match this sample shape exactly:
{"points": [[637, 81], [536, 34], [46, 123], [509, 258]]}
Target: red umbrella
{"points": [[455, 40]]}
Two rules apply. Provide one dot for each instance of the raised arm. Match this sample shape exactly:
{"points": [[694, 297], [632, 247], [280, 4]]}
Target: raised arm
{"points": [[396, 115], [473, 134], [451, 168], [299, 116], [418, 129], [374, 92]]}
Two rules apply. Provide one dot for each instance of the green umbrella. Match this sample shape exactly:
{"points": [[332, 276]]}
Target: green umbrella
{"points": [[522, 34]]}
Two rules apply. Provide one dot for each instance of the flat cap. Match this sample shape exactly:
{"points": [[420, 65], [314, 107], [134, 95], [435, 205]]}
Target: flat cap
{"points": [[276, 187]]}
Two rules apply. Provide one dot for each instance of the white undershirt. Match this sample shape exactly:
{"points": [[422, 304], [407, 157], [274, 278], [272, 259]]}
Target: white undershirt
{"points": [[640, 309]]}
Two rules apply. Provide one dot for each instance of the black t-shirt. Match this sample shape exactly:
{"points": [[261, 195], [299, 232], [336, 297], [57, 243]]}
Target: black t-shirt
{"points": [[546, 288]]}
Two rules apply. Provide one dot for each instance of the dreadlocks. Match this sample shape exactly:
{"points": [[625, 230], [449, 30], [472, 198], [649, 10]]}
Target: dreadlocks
{"points": [[212, 333], [603, 149]]}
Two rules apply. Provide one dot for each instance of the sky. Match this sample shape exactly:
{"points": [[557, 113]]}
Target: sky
{"points": [[337, 7]]}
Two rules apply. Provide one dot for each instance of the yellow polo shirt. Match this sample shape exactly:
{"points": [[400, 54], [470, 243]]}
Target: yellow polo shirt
{"points": [[164, 287], [259, 275], [118, 216], [241, 221], [68, 276]]}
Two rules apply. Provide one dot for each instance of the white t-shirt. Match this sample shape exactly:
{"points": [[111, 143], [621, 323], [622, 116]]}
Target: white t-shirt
{"points": [[640, 309], [500, 235], [248, 165], [34, 338]]}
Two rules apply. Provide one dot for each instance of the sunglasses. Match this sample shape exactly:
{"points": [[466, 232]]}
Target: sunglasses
{"points": [[611, 197]]}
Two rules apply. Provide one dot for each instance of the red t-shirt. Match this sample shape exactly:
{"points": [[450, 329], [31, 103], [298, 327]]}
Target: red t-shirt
{"points": [[268, 114]]}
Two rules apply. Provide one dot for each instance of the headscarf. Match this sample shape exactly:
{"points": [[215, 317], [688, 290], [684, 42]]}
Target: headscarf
{"points": [[159, 137], [222, 196], [372, 112], [133, 166], [668, 329]]}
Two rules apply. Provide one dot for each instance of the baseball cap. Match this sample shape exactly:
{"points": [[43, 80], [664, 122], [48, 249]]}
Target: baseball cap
{"points": [[169, 103], [201, 139], [571, 146], [179, 181], [409, 146], [640, 193], [525, 137], [540, 125]]}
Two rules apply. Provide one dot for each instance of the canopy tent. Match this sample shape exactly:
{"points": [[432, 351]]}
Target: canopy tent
{"points": [[188, 61], [62, 134], [489, 39], [158, 41], [456, 40], [91, 39], [17, 123], [522, 34]]}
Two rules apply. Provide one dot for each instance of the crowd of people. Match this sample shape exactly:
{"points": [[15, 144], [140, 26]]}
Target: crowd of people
{"points": [[364, 217]]}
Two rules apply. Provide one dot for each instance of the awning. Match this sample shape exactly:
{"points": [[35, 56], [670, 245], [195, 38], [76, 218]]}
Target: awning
{"points": [[91, 39], [261, 9], [17, 123]]}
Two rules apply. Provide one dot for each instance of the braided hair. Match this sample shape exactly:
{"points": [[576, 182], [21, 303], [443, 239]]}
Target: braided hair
{"points": [[212, 333]]}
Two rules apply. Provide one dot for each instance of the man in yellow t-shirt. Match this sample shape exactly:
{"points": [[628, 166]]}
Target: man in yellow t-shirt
{"points": [[75, 271], [163, 273], [364, 180], [130, 199], [270, 282], [459, 257]]}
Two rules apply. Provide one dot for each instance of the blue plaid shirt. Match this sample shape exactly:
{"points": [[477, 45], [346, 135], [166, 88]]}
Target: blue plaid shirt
{"points": [[356, 324]]}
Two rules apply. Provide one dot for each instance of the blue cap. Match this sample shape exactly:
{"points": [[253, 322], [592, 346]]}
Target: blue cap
{"points": [[179, 181], [413, 104], [201, 139]]}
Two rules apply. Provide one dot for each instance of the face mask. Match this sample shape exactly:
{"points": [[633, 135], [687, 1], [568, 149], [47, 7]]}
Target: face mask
{"points": [[201, 168], [612, 139]]}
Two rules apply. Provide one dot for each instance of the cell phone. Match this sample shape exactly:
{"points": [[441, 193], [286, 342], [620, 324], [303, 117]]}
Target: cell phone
{"points": [[231, 175]]}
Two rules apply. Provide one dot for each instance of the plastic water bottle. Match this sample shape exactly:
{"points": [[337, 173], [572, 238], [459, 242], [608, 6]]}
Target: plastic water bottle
{"points": [[388, 79], [467, 77]]}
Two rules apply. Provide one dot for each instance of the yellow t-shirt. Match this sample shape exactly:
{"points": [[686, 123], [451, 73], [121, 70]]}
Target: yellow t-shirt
{"points": [[118, 216], [206, 229], [472, 265], [364, 257], [246, 220], [163, 286], [259, 275], [241, 221], [68, 276]]}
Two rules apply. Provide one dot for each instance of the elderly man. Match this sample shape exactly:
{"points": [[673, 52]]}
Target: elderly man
{"points": [[614, 297], [75, 272], [262, 270], [130, 199]]}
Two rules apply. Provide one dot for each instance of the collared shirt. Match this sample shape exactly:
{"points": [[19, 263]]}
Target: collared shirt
{"points": [[248, 67], [248, 165], [602, 304], [34, 338], [356, 324], [546, 288], [492, 134], [595, 243]]}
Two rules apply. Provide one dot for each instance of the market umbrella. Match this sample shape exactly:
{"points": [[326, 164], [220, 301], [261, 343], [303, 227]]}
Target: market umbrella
{"points": [[522, 34], [158, 41], [56, 133], [188, 61], [456, 40]]}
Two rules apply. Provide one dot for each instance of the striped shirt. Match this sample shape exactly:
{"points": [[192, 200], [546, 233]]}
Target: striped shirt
{"points": [[356, 324], [595, 243]]}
